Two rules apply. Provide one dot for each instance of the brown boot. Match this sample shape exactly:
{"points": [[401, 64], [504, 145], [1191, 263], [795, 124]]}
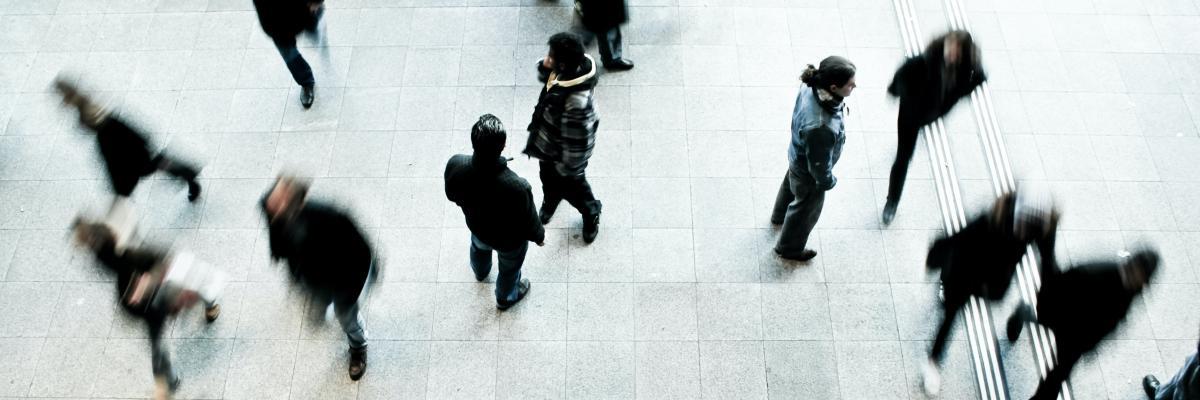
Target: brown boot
{"points": [[212, 312]]}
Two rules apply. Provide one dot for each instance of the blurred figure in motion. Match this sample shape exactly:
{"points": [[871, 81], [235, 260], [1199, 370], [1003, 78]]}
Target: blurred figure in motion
{"points": [[1082, 305], [127, 157], [153, 285], [928, 86], [283, 20], [818, 133], [562, 131], [1184, 386], [327, 254], [499, 209], [603, 18], [981, 259]]}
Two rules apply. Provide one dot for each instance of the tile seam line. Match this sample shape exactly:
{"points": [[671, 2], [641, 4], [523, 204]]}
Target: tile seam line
{"points": [[989, 377]]}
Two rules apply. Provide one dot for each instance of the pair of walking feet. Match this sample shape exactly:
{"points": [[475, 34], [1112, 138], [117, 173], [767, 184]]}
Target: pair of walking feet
{"points": [[164, 387], [591, 223]]}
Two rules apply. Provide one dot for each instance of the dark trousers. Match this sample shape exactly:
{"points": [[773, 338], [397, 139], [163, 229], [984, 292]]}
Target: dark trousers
{"points": [[906, 143], [347, 311], [951, 306], [160, 359], [1070, 350], [798, 207], [509, 273], [574, 189], [609, 43], [301, 71]]}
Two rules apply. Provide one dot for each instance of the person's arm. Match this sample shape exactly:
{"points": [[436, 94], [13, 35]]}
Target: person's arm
{"points": [[577, 127], [1045, 245], [903, 79], [819, 152], [537, 232]]}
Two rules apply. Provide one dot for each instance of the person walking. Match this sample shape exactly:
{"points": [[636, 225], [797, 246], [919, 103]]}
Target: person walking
{"points": [[327, 254], [1083, 305], [562, 131], [1184, 386], [818, 133], [981, 259], [153, 285], [929, 85], [498, 206], [603, 18], [283, 20]]}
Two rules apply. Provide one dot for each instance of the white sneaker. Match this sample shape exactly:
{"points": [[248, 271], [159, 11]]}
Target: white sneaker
{"points": [[931, 378]]}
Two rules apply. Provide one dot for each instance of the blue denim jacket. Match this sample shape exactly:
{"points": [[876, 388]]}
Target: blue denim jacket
{"points": [[818, 134]]}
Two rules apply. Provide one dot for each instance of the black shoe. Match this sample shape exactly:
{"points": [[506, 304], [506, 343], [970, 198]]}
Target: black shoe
{"points": [[307, 94], [620, 64], [1150, 385], [358, 363], [889, 213], [803, 256], [545, 215], [193, 191], [522, 290], [591, 228], [1016, 322]]}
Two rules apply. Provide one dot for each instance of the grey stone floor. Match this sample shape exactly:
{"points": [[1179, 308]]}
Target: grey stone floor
{"points": [[679, 297]]}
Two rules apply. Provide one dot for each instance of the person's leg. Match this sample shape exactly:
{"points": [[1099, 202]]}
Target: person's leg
{"points": [[782, 200], [578, 192], [906, 145], [1167, 390], [508, 278], [551, 190], [160, 360], [349, 316], [181, 170], [301, 71], [481, 259], [609, 43], [1068, 354], [950, 309], [800, 219]]}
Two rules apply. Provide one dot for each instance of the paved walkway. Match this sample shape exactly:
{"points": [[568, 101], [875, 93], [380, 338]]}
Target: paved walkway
{"points": [[680, 296]]}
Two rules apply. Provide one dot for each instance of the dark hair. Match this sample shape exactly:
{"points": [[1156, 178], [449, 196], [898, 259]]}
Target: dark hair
{"points": [[1147, 259], [488, 136], [968, 52], [567, 50], [96, 236], [834, 71]]}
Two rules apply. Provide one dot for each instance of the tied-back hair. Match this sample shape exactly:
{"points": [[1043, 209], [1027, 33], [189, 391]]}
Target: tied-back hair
{"points": [[488, 136], [833, 71]]}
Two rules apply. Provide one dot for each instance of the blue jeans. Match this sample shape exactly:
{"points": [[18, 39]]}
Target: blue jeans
{"points": [[1177, 387], [509, 273]]}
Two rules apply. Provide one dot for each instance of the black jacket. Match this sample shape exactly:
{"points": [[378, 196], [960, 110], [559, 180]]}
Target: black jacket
{"points": [[921, 85], [324, 248], [602, 15], [981, 258], [126, 153], [497, 203], [1085, 303], [285, 18]]}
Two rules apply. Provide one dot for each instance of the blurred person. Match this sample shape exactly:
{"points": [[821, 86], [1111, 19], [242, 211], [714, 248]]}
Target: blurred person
{"points": [[981, 259], [153, 284], [126, 154], [499, 209], [562, 131], [283, 20], [327, 254], [1184, 386], [818, 133], [929, 85], [1083, 305], [603, 18]]}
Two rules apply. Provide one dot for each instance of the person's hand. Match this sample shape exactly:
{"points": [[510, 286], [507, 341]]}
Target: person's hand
{"points": [[541, 243]]}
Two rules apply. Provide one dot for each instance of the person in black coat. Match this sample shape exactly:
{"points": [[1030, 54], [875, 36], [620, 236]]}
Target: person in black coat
{"points": [[928, 86], [604, 18], [282, 20], [1082, 305], [326, 253], [141, 273], [981, 259], [499, 209], [125, 150]]}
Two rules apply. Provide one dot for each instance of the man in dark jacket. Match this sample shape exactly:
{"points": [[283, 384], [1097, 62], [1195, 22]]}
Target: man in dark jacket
{"points": [[126, 152], [1184, 386], [928, 86], [498, 206], [282, 20], [562, 131], [1082, 305], [604, 18], [981, 259], [326, 253]]}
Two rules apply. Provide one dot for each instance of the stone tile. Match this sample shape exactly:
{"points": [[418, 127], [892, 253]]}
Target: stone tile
{"points": [[1127, 158], [1146, 73], [721, 203], [30, 315], [613, 155], [1141, 206], [399, 369], [1053, 113], [958, 377], [718, 155], [358, 155], [662, 203], [537, 24], [918, 312], [369, 109], [437, 26], [488, 66], [1127, 361], [532, 369], [272, 311], [722, 255], [657, 108], [659, 153], [19, 364], [768, 108], [853, 256], [1069, 158], [663, 255], [323, 116], [462, 370], [600, 311], [1102, 73], [403, 311], [264, 369], [386, 26], [905, 251], [666, 311], [875, 28], [431, 66], [68, 367], [609, 259], [880, 362], [1130, 33], [1170, 156], [1163, 115], [601, 369], [733, 370], [490, 25], [851, 205], [83, 310], [425, 108], [713, 108], [711, 65], [1163, 301], [668, 370], [540, 316], [802, 369], [862, 312], [322, 376], [729, 311], [1090, 208]]}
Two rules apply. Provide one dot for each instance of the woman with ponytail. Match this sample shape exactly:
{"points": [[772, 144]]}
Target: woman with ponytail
{"points": [[817, 138]]}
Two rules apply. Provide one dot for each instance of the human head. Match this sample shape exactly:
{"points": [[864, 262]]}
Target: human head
{"points": [[958, 46], [835, 74], [488, 136], [286, 197], [1138, 268], [1029, 215], [566, 51], [92, 235]]}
